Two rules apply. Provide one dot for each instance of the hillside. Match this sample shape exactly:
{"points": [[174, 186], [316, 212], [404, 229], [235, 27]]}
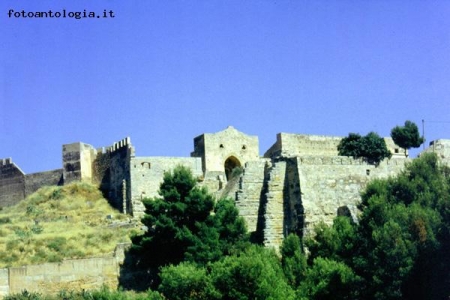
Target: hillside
{"points": [[55, 223]]}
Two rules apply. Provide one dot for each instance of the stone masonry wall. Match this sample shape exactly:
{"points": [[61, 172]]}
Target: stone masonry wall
{"points": [[71, 274], [119, 194], [12, 183], [146, 175], [4, 282], [77, 162], [441, 148], [35, 181], [79, 274], [328, 183], [289, 145]]}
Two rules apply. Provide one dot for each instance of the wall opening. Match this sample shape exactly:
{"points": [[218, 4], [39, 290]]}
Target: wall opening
{"points": [[230, 164]]}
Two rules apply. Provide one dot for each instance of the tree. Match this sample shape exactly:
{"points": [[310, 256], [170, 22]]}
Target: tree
{"points": [[407, 136], [293, 260], [372, 147], [336, 242], [401, 234], [182, 226], [351, 145]]}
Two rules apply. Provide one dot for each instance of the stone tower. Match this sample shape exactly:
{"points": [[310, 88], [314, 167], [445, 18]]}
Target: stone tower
{"points": [[221, 152]]}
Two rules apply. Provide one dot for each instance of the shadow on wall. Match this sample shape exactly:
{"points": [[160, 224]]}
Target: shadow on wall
{"points": [[258, 235], [135, 276]]}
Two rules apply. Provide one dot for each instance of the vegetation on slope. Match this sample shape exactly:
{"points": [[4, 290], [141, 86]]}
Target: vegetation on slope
{"points": [[56, 223], [100, 294]]}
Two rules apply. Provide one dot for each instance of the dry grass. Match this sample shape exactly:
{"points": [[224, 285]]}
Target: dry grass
{"points": [[57, 223]]}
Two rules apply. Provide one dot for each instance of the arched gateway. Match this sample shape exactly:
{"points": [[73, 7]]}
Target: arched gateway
{"points": [[231, 163]]}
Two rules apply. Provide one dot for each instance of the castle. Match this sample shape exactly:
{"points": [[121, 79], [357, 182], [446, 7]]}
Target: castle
{"points": [[299, 181]]}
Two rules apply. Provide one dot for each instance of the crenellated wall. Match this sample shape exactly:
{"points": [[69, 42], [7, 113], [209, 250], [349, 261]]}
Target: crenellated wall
{"points": [[120, 154]]}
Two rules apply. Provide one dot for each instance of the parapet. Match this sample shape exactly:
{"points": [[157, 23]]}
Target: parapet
{"points": [[289, 145], [9, 165], [441, 147], [124, 143], [5, 161]]}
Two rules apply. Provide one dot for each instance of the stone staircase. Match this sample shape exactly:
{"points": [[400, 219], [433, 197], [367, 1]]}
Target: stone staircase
{"points": [[248, 194], [274, 211]]}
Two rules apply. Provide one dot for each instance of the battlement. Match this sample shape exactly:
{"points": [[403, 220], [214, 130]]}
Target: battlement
{"points": [[5, 161], [8, 164], [124, 143]]}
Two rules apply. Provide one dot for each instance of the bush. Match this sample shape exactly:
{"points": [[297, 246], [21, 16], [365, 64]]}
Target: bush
{"points": [[253, 274], [25, 295], [328, 279], [187, 281], [5, 220]]}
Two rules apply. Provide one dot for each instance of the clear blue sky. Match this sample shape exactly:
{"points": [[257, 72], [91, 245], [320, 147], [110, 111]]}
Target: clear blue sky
{"points": [[163, 72]]}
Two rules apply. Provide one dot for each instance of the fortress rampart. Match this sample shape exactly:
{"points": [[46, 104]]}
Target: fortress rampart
{"points": [[299, 182], [288, 145], [12, 183]]}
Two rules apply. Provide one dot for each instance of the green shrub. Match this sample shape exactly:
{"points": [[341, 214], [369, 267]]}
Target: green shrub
{"points": [[25, 295], [36, 229], [57, 194], [22, 233], [5, 220], [57, 244]]}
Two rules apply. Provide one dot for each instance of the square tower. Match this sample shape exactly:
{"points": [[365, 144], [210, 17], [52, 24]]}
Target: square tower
{"points": [[225, 150]]}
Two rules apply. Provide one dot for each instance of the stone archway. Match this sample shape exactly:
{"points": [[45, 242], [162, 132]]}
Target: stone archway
{"points": [[230, 164]]}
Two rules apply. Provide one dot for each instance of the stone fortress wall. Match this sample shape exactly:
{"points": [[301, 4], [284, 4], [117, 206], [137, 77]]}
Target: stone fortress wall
{"points": [[69, 275], [15, 185], [289, 144], [299, 182]]}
